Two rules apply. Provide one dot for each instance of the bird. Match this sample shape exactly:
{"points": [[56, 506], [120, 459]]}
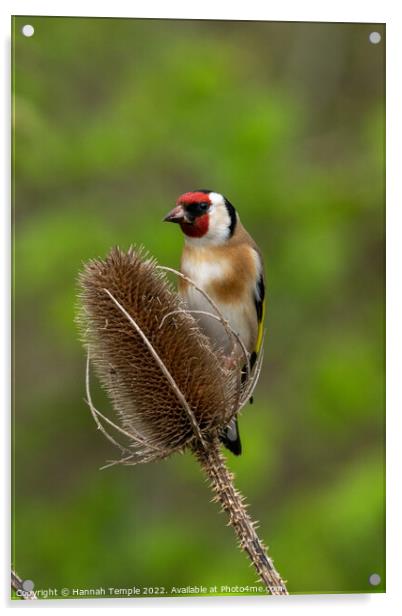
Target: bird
{"points": [[223, 260]]}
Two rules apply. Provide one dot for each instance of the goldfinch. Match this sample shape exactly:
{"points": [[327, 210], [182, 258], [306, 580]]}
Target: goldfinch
{"points": [[223, 260]]}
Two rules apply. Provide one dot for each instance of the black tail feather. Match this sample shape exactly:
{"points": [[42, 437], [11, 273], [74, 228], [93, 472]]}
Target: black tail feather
{"points": [[231, 438]]}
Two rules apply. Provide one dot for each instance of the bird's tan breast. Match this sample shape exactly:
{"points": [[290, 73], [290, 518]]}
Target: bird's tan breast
{"points": [[228, 276], [226, 273]]}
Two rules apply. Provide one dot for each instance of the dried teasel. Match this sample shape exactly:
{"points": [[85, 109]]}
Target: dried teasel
{"points": [[169, 388], [125, 290]]}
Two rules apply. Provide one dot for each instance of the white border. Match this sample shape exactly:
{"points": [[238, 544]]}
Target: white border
{"points": [[286, 10]]}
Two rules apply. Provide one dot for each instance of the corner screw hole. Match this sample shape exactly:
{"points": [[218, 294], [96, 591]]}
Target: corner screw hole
{"points": [[28, 30], [375, 38], [374, 579]]}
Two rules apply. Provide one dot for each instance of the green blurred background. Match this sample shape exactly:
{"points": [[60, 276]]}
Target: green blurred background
{"points": [[114, 118]]}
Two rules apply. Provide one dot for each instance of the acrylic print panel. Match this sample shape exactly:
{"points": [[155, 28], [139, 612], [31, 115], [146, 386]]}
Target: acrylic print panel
{"points": [[114, 119]]}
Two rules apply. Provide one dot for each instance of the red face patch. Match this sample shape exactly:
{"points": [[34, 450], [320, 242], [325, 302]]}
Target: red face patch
{"points": [[193, 197], [198, 228]]}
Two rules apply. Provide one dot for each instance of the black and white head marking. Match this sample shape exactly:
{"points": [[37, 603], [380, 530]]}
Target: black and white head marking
{"points": [[233, 216]]}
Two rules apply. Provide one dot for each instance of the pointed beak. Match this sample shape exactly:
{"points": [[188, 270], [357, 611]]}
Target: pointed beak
{"points": [[175, 215]]}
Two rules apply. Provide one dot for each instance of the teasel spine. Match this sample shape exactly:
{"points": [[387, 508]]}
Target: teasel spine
{"points": [[233, 504]]}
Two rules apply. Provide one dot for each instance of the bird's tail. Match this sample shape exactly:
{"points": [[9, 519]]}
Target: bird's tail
{"points": [[231, 437]]}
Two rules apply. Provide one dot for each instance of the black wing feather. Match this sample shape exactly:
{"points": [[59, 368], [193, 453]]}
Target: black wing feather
{"points": [[259, 297]]}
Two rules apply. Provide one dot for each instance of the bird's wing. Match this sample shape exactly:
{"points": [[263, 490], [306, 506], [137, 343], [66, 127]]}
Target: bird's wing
{"points": [[259, 301]]}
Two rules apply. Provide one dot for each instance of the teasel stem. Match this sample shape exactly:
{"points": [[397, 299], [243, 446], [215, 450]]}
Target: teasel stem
{"points": [[232, 502]]}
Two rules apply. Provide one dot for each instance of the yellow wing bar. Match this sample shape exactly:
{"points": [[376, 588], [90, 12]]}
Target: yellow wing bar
{"points": [[260, 329]]}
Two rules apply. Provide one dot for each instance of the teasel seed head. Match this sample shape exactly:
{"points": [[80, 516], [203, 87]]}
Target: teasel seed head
{"points": [[168, 386]]}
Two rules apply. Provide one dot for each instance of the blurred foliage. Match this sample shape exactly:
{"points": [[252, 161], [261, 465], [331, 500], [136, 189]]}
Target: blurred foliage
{"points": [[114, 119]]}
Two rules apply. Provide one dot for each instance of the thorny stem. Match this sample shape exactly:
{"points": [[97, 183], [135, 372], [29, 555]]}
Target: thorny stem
{"points": [[232, 502]]}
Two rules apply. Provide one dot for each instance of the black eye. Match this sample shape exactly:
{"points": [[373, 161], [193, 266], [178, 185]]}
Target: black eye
{"points": [[196, 209]]}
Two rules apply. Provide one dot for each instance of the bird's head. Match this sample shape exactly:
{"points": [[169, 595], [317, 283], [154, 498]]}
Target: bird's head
{"points": [[205, 217]]}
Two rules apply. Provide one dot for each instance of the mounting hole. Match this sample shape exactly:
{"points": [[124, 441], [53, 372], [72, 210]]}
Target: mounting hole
{"points": [[28, 30], [28, 585], [375, 38], [374, 579]]}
